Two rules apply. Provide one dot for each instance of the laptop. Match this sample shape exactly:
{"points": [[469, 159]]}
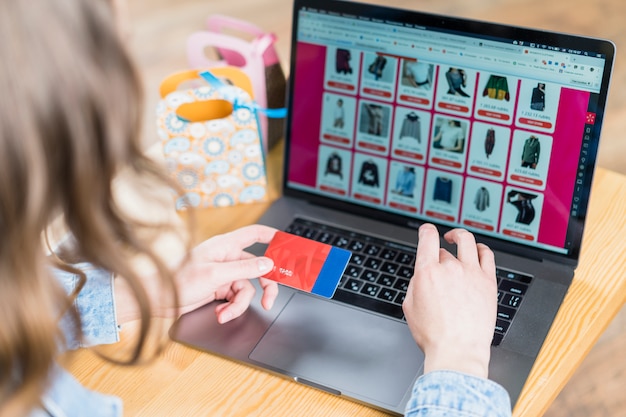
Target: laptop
{"points": [[397, 118]]}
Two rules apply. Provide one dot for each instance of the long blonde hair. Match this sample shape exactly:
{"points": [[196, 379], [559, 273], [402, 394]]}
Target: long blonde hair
{"points": [[70, 117]]}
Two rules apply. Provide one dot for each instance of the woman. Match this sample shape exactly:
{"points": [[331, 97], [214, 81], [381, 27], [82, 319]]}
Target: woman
{"points": [[69, 126]]}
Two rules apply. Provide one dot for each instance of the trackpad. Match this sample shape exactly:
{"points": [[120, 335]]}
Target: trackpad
{"points": [[358, 354]]}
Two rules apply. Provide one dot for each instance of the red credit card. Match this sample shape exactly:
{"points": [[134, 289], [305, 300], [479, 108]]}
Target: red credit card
{"points": [[305, 264]]}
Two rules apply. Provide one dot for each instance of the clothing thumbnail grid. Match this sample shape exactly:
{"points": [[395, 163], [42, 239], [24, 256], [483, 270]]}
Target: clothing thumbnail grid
{"points": [[491, 152]]}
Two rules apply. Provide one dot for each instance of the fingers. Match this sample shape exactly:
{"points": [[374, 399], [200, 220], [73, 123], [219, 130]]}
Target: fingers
{"points": [[465, 243], [487, 259], [427, 245], [240, 296], [221, 273], [270, 292], [238, 300], [249, 235]]}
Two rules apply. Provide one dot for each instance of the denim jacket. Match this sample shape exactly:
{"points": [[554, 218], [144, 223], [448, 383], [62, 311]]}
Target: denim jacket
{"points": [[436, 394], [65, 396]]}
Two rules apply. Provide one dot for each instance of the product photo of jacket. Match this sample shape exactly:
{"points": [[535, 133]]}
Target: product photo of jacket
{"points": [[411, 127], [443, 190], [531, 152], [497, 88], [481, 200], [369, 174]]}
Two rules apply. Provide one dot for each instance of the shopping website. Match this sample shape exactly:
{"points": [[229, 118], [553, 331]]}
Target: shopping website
{"points": [[463, 131]]}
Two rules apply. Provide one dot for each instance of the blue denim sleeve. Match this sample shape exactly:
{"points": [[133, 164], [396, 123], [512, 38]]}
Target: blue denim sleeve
{"points": [[95, 304], [450, 394], [66, 397]]}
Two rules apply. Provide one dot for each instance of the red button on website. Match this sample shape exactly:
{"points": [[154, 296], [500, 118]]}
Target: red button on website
{"points": [[379, 93], [341, 86], [440, 216], [494, 115], [518, 235], [526, 180], [372, 147], [403, 207], [486, 171], [332, 190], [335, 138], [537, 123], [478, 225], [407, 154], [367, 198], [416, 100], [454, 107], [447, 162]]}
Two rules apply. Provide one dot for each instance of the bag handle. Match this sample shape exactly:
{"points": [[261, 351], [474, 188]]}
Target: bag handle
{"points": [[219, 23], [235, 75], [215, 108]]}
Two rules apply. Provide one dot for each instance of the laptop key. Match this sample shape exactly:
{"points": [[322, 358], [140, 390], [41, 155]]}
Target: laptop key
{"points": [[353, 271], [511, 300], [389, 268], [356, 246], [497, 339], [370, 276], [502, 326], [401, 284], [357, 259], [387, 294], [325, 237], [386, 280], [372, 263], [400, 298], [506, 313], [341, 242], [370, 289], [514, 287], [368, 303], [405, 272], [405, 259], [353, 285], [372, 250], [389, 254]]}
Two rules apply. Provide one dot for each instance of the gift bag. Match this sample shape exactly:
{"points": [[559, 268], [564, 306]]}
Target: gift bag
{"points": [[257, 58], [210, 135]]}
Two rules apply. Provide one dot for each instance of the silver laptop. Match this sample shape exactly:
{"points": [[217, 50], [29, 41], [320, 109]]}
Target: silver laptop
{"points": [[397, 118]]}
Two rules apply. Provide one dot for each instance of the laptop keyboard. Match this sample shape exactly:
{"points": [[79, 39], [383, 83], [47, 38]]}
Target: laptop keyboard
{"points": [[379, 271]]}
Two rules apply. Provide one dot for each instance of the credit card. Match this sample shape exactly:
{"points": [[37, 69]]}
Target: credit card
{"points": [[305, 264]]}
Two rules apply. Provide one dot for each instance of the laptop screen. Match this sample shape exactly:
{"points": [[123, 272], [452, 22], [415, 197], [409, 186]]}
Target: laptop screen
{"points": [[412, 117]]}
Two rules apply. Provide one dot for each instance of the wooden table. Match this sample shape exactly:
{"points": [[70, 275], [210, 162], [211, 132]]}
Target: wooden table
{"points": [[186, 382]]}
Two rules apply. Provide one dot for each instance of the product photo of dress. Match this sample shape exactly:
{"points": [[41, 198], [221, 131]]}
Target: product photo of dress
{"points": [[342, 61], [339, 115], [375, 116], [490, 141]]}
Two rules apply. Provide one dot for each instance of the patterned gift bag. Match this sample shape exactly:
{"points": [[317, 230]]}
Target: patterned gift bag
{"points": [[211, 139]]}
